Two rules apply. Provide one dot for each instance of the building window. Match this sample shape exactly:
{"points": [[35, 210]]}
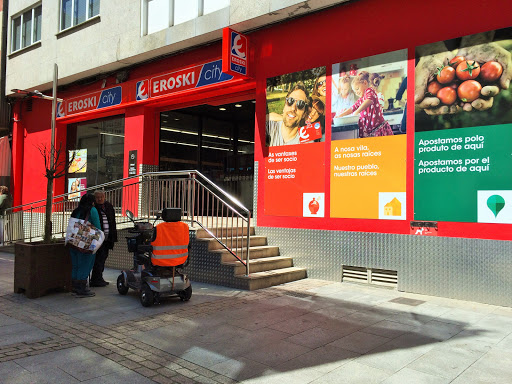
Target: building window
{"points": [[26, 28], [74, 12], [101, 144], [161, 14]]}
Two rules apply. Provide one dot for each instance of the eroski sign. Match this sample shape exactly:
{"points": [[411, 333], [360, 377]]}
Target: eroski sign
{"points": [[188, 78], [95, 100], [144, 89], [235, 53]]}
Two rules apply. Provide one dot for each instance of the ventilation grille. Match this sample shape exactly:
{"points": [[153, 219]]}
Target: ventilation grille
{"points": [[29, 105], [369, 276]]}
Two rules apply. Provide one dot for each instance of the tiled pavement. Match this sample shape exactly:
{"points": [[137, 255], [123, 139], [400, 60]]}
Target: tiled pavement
{"points": [[309, 331]]}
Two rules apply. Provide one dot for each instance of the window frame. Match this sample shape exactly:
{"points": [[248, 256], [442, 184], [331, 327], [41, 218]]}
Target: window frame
{"points": [[172, 14], [33, 30], [88, 15]]}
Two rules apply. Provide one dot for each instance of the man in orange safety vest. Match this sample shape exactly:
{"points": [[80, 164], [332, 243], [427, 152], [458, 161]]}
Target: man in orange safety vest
{"points": [[170, 247]]}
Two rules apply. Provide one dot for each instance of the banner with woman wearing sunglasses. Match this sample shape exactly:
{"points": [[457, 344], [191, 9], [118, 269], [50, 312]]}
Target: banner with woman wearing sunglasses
{"points": [[296, 116]]}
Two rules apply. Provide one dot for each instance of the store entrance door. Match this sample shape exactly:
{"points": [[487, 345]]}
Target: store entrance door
{"points": [[217, 140]]}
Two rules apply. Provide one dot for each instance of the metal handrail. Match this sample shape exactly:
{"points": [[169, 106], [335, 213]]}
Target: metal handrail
{"points": [[202, 203]]}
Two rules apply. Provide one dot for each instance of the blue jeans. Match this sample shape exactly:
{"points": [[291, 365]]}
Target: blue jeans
{"points": [[81, 264]]}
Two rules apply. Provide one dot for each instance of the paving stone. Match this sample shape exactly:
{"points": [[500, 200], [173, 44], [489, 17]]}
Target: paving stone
{"points": [[277, 353], [167, 372], [239, 369], [353, 372], [360, 342], [446, 362], [129, 364], [146, 372], [162, 380], [323, 359], [410, 376]]}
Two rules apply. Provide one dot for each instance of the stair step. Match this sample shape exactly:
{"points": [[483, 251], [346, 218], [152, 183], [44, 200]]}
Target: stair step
{"points": [[256, 252], [235, 242], [267, 279], [236, 231], [261, 264]]}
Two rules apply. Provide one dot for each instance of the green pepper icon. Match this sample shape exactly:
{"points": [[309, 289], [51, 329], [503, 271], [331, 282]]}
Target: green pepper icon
{"points": [[495, 204]]}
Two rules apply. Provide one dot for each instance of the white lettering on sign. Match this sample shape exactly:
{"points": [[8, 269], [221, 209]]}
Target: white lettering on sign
{"points": [[214, 73], [108, 98], [76, 106], [173, 82]]}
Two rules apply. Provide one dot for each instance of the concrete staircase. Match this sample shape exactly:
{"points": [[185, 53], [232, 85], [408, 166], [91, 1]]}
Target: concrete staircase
{"points": [[266, 267]]}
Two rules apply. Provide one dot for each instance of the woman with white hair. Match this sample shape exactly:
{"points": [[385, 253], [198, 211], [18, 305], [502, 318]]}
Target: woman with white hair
{"points": [[108, 226]]}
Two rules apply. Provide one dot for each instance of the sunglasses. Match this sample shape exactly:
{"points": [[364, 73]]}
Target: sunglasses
{"points": [[320, 83], [301, 104]]}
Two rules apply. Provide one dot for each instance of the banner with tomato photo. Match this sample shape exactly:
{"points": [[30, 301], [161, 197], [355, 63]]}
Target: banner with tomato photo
{"points": [[295, 134], [463, 123], [368, 148]]}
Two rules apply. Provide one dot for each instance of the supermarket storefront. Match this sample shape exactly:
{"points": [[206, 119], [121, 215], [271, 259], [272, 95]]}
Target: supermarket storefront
{"points": [[416, 184]]}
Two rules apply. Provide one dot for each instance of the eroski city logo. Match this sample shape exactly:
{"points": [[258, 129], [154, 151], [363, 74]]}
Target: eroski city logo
{"points": [[238, 45], [60, 109], [142, 90]]}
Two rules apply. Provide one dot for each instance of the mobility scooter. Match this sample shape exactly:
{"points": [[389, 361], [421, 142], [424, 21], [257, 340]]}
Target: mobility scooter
{"points": [[153, 282]]}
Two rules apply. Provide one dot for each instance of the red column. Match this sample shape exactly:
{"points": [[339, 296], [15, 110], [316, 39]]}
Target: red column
{"points": [[18, 141], [140, 134]]}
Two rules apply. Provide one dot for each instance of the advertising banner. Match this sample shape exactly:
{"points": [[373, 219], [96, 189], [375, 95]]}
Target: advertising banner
{"points": [[295, 134], [368, 148], [76, 187], [463, 135], [79, 163]]}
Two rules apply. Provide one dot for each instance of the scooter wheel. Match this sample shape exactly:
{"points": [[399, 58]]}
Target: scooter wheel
{"points": [[186, 294], [121, 288], [146, 296]]}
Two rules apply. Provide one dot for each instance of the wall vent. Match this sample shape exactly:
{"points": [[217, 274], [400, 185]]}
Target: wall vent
{"points": [[369, 275], [29, 104]]}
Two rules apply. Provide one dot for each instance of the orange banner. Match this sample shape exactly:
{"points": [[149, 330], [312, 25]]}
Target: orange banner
{"points": [[368, 178]]}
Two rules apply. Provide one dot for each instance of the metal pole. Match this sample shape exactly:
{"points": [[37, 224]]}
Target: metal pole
{"points": [[248, 260], [54, 108]]}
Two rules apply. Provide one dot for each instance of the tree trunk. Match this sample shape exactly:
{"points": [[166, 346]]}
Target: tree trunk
{"points": [[48, 211]]}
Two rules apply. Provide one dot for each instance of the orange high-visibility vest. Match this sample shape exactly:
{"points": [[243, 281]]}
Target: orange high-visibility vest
{"points": [[170, 247]]}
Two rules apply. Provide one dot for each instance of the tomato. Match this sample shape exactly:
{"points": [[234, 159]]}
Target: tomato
{"points": [[456, 60], [447, 95], [434, 87], [491, 71], [469, 91], [445, 75], [453, 86], [468, 70]]}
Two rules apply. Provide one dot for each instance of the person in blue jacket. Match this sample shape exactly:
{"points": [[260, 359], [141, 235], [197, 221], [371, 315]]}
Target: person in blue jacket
{"points": [[82, 263]]}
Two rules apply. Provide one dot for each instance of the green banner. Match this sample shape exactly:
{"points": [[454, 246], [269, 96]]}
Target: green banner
{"points": [[452, 168]]}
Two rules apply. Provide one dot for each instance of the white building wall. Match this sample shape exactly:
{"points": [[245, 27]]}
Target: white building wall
{"points": [[116, 38]]}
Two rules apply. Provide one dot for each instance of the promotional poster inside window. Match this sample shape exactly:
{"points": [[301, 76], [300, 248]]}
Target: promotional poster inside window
{"points": [[295, 135], [463, 141]]}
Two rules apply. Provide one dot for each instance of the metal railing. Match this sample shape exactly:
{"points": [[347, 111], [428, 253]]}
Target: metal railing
{"points": [[201, 201]]}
